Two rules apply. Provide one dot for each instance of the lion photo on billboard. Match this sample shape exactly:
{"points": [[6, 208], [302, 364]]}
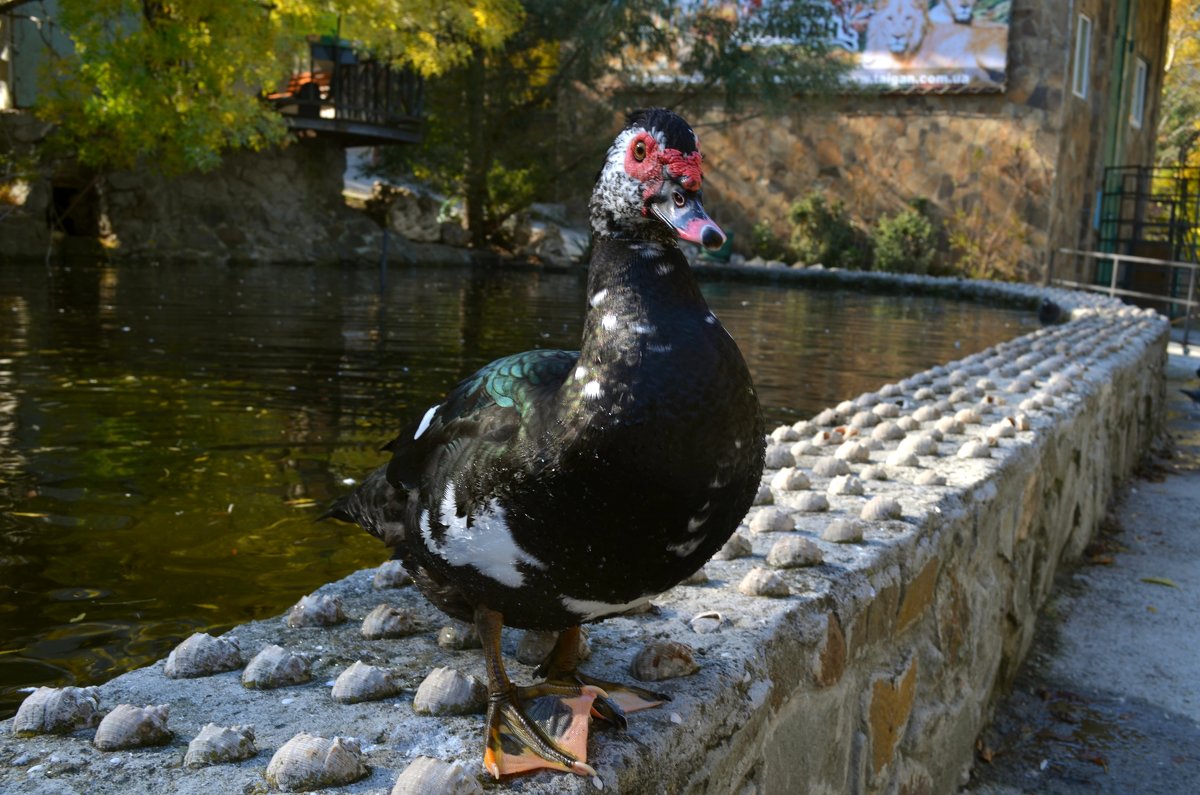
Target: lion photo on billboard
{"points": [[901, 36], [960, 11], [980, 45], [895, 33]]}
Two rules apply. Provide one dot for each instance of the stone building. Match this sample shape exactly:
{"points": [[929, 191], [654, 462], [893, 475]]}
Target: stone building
{"points": [[1017, 170]]}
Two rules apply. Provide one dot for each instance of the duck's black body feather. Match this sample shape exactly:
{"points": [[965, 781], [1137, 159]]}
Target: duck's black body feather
{"points": [[557, 487]]}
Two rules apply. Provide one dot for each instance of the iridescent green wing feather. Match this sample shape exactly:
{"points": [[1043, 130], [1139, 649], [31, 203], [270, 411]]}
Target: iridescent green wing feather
{"points": [[480, 419]]}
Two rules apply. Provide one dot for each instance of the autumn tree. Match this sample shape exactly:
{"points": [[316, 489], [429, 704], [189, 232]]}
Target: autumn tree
{"points": [[179, 83], [506, 125], [1179, 125]]}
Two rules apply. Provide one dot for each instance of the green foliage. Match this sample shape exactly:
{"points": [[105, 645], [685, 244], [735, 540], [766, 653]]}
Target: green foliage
{"points": [[766, 244], [760, 58], [906, 242], [824, 233], [176, 84]]}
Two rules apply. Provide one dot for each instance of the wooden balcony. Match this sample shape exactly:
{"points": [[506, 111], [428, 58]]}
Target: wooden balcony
{"points": [[358, 102]]}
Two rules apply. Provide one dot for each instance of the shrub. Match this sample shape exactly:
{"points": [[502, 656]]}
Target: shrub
{"points": [[823, 233], [766, 243], [905, 242]]}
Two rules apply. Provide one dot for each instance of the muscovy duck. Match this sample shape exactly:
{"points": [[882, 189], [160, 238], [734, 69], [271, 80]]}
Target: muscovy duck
{"points": [[553, 488]]}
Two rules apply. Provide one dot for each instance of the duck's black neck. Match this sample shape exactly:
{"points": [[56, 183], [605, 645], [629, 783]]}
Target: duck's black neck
{"points": [[645, 318], [636, 279]]}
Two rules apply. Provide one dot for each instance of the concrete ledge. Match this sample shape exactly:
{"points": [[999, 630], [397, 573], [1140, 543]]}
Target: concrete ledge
{"points": [[873, 674]]}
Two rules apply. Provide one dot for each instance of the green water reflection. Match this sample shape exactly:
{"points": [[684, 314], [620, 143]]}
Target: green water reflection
{"points": [[168, 434]]}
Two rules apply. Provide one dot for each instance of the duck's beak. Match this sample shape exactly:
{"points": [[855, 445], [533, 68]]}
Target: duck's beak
{"points": [[682, 210]]}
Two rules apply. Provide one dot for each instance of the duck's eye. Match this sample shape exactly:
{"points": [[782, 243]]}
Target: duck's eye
{"points": [[677, 197], [639, 151]]}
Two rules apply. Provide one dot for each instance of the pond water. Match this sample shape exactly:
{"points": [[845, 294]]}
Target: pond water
{"points": [[168, 434]]}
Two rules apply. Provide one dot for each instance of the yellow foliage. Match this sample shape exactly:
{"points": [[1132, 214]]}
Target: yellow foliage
{"points": [[1179, 126], [178, 83]]}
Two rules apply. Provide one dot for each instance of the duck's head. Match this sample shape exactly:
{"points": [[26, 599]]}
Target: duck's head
{"points": [[649, 187]]}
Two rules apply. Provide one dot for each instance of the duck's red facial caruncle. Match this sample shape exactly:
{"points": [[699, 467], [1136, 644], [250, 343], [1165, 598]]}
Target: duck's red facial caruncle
{"points": [[670, 188], [645, 161]]}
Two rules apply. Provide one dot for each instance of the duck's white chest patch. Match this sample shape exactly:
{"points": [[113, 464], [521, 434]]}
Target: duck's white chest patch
{"points": [[486, 545]]}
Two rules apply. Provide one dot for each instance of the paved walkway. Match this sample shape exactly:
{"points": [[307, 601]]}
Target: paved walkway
{"points": [[1109, 699]]}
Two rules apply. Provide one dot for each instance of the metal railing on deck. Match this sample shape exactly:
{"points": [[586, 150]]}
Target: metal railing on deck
{"points": [[364, 98], [1130, 262]]}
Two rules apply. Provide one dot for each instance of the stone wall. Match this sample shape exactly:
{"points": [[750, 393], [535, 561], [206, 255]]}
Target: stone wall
{"points": [[281, 205], [24, 230], [868, 663]]}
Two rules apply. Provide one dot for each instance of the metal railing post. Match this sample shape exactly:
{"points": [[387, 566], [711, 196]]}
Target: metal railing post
{"points": [[1116, 268], [1187, 310]]}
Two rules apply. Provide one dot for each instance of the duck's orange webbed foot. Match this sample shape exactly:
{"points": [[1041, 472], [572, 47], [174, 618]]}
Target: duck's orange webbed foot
{"points": [[530, 728], [615, 700], [543, 726]]}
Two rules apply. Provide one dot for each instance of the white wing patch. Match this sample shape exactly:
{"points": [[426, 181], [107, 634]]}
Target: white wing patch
{"points": [[685, 548], [587, 609], [487, 545], [428, 418]]}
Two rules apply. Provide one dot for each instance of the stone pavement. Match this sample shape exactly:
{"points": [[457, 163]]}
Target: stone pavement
{"points": [[1109, 698]]}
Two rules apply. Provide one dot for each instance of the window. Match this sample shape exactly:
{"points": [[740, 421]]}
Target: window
{"points": [[1137, 103], [1083, 57]]}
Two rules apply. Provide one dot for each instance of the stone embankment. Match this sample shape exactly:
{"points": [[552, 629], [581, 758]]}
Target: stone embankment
{"points": [[849, 639]]}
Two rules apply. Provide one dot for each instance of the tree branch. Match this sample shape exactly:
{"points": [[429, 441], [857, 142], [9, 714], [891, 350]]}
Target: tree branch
{"points": [[13, 4]]}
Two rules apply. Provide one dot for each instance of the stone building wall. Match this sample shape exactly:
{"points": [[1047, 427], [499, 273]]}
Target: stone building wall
{"points": [[1021, 167], [1082, 152]]}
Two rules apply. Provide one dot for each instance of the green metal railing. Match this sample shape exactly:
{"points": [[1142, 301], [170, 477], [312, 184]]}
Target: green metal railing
{"points": [[1118, 267]]}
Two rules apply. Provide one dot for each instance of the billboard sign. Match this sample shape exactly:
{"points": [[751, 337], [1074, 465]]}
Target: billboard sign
{"points": [[924, 45]]}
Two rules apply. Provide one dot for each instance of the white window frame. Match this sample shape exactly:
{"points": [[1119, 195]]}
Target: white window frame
{"points": [[1137, 100], [1083, 57]]}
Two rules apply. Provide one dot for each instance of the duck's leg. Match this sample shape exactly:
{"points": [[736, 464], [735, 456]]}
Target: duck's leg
{"points": [[561, 667], [544, 726]]}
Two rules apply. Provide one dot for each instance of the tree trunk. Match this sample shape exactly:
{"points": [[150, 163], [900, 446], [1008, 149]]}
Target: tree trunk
{"points": [[478, 158]]}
